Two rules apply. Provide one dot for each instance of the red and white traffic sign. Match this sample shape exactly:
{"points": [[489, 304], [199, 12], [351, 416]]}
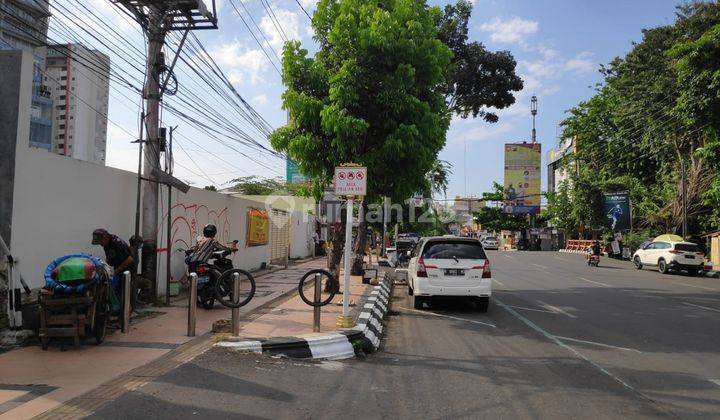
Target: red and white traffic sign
{"points": [[350, 180]]}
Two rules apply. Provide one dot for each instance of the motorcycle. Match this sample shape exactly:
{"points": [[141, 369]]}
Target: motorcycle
{"points": [[594, 260], [215, 281]]}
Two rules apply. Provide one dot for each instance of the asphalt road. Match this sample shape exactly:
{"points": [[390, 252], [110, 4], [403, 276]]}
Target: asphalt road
{"points": [[561, 340]]}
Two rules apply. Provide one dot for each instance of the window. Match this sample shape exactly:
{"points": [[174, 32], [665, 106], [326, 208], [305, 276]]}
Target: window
{"points": [[687, 247], [60, 107], [61, 126], [662, 245], [62, 97], [63, 78], [449, 249]]}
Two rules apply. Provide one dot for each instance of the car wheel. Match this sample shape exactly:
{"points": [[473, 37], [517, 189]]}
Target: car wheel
{"points": [[637, 263], [662, 267], [483, 304]]}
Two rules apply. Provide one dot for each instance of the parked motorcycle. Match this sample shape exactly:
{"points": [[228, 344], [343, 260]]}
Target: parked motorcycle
{"points": [[215, 281]]}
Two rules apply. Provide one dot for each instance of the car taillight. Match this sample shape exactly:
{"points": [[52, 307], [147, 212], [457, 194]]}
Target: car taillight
{"points": [[675, 251], [422, 268], [487, 273], [700, 254], [201, 269]]}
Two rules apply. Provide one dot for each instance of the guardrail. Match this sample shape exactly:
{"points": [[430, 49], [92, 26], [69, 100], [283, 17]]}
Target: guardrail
{"points": [[577, 245]]}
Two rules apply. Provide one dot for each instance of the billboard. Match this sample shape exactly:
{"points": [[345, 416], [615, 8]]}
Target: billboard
{"points": [[522, 178], [292, 173], [616, 208]]}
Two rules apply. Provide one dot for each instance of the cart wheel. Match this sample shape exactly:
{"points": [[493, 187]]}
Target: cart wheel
{"points": [[101, 317]]}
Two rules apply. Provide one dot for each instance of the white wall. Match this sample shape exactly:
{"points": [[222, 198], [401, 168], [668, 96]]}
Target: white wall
{"points": [[59, 201], [301, 230]]}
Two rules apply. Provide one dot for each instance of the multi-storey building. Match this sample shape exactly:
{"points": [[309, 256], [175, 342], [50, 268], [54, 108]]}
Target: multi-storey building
{"points": [[78, 79], [23, 26]]}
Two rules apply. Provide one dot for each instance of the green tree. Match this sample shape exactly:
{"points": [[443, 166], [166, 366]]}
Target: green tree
{"points": [[254, 185], [651, 112], [376, 93]]}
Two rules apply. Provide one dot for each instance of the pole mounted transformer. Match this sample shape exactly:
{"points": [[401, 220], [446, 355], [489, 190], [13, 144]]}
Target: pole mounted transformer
{"points": [[157, 18]]}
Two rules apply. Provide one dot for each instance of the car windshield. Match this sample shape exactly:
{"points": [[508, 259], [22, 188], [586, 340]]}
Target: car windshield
{"points": [[468, 250], [687, 247]]}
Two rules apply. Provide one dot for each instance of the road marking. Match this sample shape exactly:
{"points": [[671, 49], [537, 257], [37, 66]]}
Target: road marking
{"points": [[596, 344], [450, 317], [715, 381], [595, 282], [702, 307], [499, 282], [563, 345], [697, 287], [532, 309], [555, 309], [541, 266]]}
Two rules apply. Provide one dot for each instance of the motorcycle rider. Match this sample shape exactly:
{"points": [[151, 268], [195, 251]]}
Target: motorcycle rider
{"points": [[206, 245], [594, 249]]}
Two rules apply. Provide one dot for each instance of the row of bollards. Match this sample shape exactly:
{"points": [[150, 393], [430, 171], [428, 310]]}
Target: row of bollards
{"points": [[192, 305]]}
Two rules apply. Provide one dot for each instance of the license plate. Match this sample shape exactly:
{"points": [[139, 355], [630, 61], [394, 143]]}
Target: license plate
{"points": [[454, 272], [692, 257], [203, 279]]}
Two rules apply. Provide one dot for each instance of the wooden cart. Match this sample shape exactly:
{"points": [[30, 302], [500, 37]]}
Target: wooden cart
{"points": [[75, 316]]}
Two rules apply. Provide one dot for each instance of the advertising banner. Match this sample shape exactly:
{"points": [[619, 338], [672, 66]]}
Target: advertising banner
{"points": [[292, 173], [616, 207], [258, 229], [522, 178]]}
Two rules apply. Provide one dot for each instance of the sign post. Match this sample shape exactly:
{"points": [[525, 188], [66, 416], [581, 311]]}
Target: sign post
{"points": [[350, 181]]}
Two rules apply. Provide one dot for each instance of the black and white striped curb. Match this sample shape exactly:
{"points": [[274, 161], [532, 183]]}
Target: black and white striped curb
{"points": [[343, 344]]}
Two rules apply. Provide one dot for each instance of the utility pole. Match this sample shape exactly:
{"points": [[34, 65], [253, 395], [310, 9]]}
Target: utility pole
{"points": [[684, 198], [151, 158], [157, 19], [533, 112]]}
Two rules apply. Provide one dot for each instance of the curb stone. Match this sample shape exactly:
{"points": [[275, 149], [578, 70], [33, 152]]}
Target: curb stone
{"points": [[342, 344]]}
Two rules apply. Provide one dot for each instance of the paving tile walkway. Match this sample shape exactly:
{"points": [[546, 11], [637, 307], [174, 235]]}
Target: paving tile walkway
{"points": [[33, 381]]}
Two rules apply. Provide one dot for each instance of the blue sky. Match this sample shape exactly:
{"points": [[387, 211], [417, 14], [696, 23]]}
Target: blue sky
{"points": [[558, 45]]}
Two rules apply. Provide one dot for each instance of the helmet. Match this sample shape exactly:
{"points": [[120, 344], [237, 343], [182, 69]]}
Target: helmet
{"points": [[209, 231]]}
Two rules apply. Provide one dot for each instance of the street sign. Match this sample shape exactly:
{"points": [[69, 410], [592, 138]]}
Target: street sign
{"points": [[350, 180]]}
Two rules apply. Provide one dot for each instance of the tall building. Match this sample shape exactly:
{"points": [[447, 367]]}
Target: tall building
{"points": [[23, 26], [78, 79]]}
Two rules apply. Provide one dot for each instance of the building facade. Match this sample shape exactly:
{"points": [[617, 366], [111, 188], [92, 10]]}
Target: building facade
{"points": [[79, 82], [555, 157], [23, 26]]}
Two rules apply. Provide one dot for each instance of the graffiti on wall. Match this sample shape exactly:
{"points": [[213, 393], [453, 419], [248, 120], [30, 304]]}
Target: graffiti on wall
{"points": [[188, 221]]}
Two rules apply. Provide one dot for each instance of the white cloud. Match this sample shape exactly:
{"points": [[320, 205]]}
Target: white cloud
{"points": [[582, 63], [480, 131], [510, 31], [260, 99], [289, 25], [241, 63]]}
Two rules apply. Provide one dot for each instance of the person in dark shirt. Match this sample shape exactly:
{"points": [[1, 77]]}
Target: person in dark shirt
{"points": [[117, 253]]}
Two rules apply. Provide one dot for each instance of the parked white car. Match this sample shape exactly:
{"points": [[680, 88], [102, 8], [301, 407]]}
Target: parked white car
{"points": [[449, 266], [490, 242], [670, 255]]}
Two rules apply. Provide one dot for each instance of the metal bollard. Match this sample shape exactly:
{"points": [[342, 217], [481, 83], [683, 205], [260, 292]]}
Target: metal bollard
{"points": [[192, 305], [316, 309], [236, 299], [127, 290]]}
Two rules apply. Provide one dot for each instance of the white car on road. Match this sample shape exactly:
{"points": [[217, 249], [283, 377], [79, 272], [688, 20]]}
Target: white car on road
{"points": [[490, 242], [670, 255], [449, 266]]}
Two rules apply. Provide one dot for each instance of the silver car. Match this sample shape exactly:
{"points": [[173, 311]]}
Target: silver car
{"points": [[489, 242]]}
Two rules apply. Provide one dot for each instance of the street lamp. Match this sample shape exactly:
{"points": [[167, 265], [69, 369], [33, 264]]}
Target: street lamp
{"points": [[533, 111]]}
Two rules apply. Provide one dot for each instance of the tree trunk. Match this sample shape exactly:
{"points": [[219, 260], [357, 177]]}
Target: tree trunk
{"points": [[360, 242]]}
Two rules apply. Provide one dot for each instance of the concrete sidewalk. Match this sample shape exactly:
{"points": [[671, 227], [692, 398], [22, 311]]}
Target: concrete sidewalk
{"points": [[33, 381]]}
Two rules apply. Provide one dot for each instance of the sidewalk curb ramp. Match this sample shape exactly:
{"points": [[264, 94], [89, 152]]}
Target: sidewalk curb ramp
{"points": [[342, 344]]}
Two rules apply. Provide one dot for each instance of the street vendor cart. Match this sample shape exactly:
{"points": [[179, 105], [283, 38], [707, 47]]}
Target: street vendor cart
{"points": [[76, 299]]}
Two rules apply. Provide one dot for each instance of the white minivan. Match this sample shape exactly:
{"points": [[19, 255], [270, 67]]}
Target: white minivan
{"points": [[449, 266]]}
